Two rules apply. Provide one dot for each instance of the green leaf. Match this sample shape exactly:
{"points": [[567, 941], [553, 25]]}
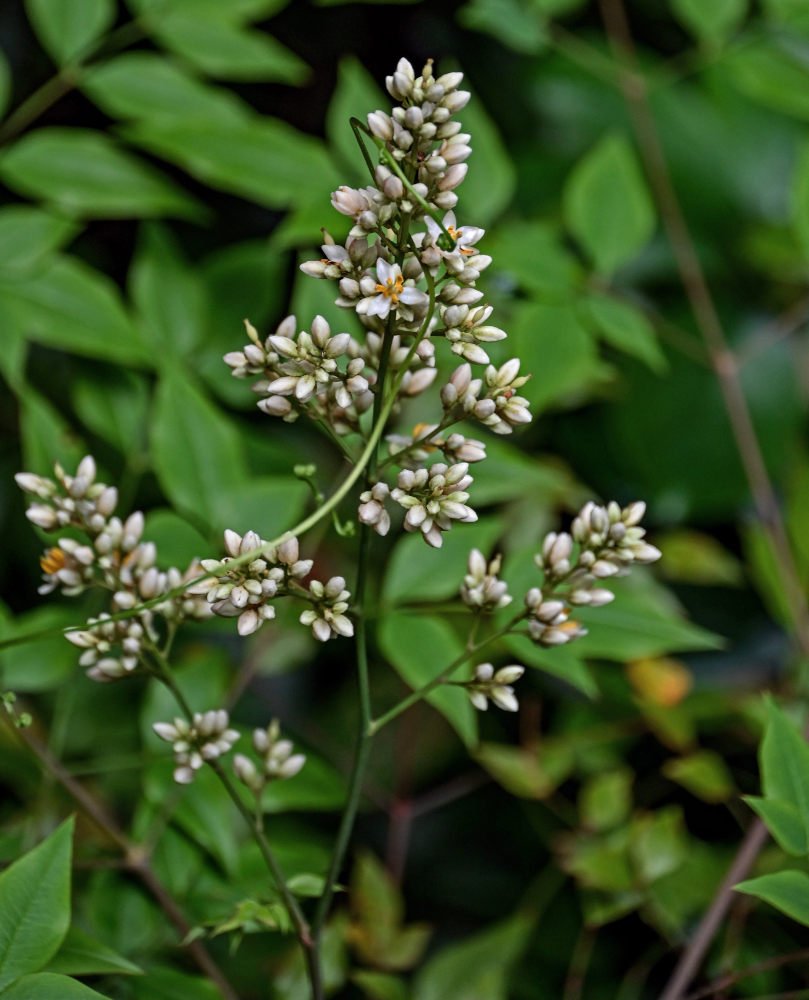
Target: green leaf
{"points": [[83, 955], [115, 409], [784, 764], [50, 986], [35, 907], [5, 84], [606, 205], [703, 773], [769, 72], [46, 436], [710, 23], [492, 178], [532, 253], [476, 968], [70, 306], [169, 984], [658, 844], [196, 449], [380, 985], [319, 787], [784, 822], [605, 800], [67, 28], [509, 474], [800, 200], [149, 85], [267, 504], [698, 558], [643, 620], [29, 234], [416, 575], [786, 891], [262, 159], [515, 23], [419, 648], [355, 95], [556, 350], [169, 296], [42, 665], [85, 174], [626, 329], [562, 662], [177, 541], [526, 772], [226, 50]]}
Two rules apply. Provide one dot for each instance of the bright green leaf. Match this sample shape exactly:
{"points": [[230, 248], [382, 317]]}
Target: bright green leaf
{"points": [[492, 179], [476, 968], [197, 450], [698, 558], [605, 800], [380, 985], [533, 254], [170, 984], [228, 51], [703, 773], [68, 28], [606, 204], [515, 23], [262, 159], [143, 84], [46, 435], [267, 504], [770, 73], [522, 771], [177, 541], [658, 844], [50, 986], [28, 234], [627, 329], [71, 306], [83, 955], [85, 174], [35, 907], [786, 891], [42, 665], [712, 22], [419, 648], [784, 763], [319, 787], [562, 662], [784, 822]]}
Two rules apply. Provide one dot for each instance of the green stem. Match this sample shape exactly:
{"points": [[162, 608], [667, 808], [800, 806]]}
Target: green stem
{"points": [[357, 127], [448, 671], [427, 208]]}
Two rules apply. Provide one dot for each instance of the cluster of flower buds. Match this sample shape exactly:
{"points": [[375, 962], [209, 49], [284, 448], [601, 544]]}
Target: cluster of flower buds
{"points": [[114, 557], [205, 738], [412, 451], [549, 621], [490, 685], [244, 590], [492, 400], [433, 499], [276, 759], [327, 615], [112, 649], [481, 589], [604, 542]]}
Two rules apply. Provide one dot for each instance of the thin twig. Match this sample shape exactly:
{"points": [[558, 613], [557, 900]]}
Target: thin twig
{"points": [[731, 978], [135, 858]]}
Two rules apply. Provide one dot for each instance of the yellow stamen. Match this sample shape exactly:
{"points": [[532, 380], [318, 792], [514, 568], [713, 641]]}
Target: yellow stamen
{"points": [[392, 288], [52, 561]]}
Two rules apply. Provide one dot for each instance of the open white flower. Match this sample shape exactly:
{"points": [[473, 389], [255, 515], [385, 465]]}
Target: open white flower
{"points": [[464, 237], [390, 291]]}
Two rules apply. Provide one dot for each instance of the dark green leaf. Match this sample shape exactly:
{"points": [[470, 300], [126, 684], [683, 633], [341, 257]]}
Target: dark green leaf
{"points": [[83, 955], [800, 200], [710, 22], [50, 986], [771, 74], [783, 821], [606, 205], [417, 575], [380, 985], [786, 891], [169, 296], [46, 436], [149, 85], [35, 907], [70, 306], [169, 984], [115, 409], [562, 662], [513, 22], [28, 234], [42, 665], [225, 50], [476, 968], [85, 174], [626, 329], [68, 28], [262, 159], [490, 183], [419, 648], [197, 451], [5, 84], [356, 95], [532, 254]]}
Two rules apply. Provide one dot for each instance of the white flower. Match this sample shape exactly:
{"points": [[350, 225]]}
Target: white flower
{"points": [[464, 237], [488, 685], [391, 290]]}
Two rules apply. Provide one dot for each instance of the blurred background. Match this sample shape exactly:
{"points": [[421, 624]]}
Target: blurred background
{"points": [[164, 167]]}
